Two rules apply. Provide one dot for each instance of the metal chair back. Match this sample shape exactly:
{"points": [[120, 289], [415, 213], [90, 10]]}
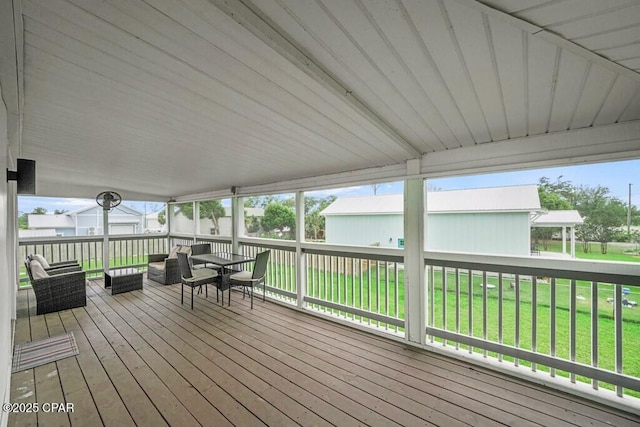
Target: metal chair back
{"points": [[185, 268], [260, 266]]}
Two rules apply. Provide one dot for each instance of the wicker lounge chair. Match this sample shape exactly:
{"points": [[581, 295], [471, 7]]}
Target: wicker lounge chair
{"points": [[52, 267], [57, 290], [164, 268]]}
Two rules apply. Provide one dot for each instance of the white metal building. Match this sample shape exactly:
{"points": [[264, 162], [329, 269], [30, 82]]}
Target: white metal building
{"points": [[485, 220]]}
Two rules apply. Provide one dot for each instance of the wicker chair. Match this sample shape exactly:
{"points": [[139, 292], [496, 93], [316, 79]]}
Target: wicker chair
{"points": [[53, 269], [59, 291], [164, 268]]}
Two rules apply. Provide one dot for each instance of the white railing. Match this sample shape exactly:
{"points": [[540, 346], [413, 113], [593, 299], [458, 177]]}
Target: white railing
{"points": [[218, 243], [280, 281], [569, 318], [124, 250], [367, 288]]}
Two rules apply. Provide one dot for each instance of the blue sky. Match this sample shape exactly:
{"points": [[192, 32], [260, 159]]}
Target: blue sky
{"points": [[615, 175]]}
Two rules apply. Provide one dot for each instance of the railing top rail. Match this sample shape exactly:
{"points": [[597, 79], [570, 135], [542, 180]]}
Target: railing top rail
{"points": [[79, 239], [366, 252], [283, 245], [589, 270], [191, 236]]}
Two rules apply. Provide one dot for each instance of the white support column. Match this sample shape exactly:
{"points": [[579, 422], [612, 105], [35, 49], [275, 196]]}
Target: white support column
{"points": [[168, 211], [196, 220], [573, 241], [564, 239], [105, 240], [414, 239], [301, 261], [237, 222]]}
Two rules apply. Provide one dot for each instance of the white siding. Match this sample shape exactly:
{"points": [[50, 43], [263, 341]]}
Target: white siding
{"points": [[494, 233], [7, 282], [365, 230]]}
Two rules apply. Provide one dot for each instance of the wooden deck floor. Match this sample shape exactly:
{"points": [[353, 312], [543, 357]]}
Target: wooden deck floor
{"points": [[146, 360]]}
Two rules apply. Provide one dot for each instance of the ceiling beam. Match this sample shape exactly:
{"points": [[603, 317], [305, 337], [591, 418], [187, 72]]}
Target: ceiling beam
{"points": [[250, 17], [614, 142], [552, 38]]}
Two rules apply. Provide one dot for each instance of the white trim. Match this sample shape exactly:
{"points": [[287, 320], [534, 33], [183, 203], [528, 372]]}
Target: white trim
{"points": [[620, 141]]}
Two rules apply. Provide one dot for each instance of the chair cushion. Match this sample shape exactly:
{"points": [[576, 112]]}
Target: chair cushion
{"points": [[174, 251], [37, 271], [202, 273], [179, 248], [42, 260], [243, 276], [157, 265]]}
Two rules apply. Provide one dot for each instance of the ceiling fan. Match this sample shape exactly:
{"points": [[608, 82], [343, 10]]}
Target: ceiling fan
{"points": [[108, 200]]}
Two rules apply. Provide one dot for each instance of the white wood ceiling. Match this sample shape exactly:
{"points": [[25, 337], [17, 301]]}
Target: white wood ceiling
{"points": [[162, 98]]}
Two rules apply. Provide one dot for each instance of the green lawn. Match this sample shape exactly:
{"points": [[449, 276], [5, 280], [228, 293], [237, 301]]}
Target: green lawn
{"points": [[614, 252], [372, 290]]}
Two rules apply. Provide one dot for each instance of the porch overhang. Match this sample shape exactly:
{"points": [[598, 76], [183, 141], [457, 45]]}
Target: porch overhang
{"points": [[160, 102]]}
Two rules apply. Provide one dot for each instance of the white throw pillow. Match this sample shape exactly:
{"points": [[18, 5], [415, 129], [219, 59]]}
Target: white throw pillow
{"points": [[37, 271], [174, 251], [42, 260]]}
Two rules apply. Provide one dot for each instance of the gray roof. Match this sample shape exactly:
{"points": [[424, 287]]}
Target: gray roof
{"points": [[50, 221], [520, 198], [558, 219]]}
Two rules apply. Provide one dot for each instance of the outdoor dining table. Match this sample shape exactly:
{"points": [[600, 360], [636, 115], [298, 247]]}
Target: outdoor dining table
{"points": [[225, 260]]}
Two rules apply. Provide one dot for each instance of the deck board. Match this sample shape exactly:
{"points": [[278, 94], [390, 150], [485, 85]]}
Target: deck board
{"points": [[145, 359]]}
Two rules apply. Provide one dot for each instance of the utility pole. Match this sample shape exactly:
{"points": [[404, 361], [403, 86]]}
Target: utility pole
{"points": [[629, 213]]}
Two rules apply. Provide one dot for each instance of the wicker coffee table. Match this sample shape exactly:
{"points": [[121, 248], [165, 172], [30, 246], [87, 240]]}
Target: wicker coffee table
{"points": [[123, 280]]}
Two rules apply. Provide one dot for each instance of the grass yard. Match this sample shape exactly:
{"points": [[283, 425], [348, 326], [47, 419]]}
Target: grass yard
{"points": [[375, 290], [614, 252]]}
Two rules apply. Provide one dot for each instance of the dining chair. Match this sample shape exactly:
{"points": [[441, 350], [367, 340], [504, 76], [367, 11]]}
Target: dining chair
{"points": [[195, 278], [199, 249], [249, 279]]}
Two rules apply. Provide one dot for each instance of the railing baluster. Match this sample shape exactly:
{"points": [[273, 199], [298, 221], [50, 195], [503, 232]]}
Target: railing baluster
{"points": [[573, 327], [369, 288], [484, 308], [457, 306], [432, 298], [552, 325], [353, 285], [444, 302], [470, 304], [594, 329], [618, 332], [378, 290], [516, 362], [396, 313], [534, 317], [500, 312], [386, 291]]}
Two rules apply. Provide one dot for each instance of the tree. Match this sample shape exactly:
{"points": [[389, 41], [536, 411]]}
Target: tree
{"points": [[39, 211], [211, 209], [278, 216], [23, 221], [162, 217], [602, 213], [314, 222], [60, 211], [553, 196]]}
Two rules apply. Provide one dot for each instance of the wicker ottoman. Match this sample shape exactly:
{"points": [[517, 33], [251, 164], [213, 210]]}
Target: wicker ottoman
{"points": [[123, 280]]}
